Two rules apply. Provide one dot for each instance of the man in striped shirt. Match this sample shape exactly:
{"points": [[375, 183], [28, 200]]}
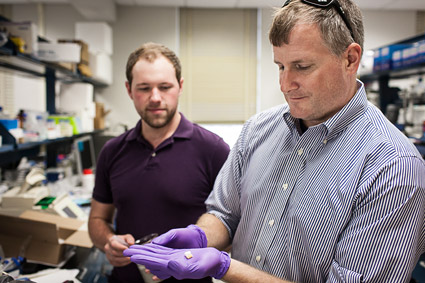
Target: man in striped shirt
{"points": [[321, 189]]}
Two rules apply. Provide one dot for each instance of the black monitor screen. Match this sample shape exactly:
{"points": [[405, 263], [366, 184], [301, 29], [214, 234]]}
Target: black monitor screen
{"points": [[84, 153]]}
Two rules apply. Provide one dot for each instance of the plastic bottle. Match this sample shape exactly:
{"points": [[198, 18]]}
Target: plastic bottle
{"points": [[88, 180], [41, 127], [52, 129], [66, 128], [21, 118]]}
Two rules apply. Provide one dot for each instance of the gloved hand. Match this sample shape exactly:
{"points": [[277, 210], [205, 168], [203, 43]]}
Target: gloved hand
{"points": [[180, 263], [183, 238]]}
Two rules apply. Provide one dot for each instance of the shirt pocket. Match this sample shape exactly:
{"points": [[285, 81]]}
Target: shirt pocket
{"points": [[342, 274]]}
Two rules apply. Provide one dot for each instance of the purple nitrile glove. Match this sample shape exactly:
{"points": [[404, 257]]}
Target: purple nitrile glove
{"points": [[183, 238], [180, 263]]}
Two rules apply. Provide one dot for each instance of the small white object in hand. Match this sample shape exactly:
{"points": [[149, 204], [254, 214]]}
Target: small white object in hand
{"points": [[188, 255]]}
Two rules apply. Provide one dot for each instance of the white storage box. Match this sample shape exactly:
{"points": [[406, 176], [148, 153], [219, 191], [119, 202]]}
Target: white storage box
{"points": [[28, 31], [76, 97], [59, 52], [98, 36], [101, 67]]}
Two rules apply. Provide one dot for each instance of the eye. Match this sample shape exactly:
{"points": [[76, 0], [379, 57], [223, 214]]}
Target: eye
{"points": [[302, 67], [144, 89], [165, 87]]}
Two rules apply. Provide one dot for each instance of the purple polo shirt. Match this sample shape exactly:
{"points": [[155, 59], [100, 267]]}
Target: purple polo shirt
{"points": [[155, 190]]}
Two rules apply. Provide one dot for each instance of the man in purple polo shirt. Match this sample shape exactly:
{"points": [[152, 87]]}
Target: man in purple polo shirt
{"points": [[157, 175]]}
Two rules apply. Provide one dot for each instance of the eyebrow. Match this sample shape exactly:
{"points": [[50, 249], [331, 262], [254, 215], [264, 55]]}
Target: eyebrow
{"points": [[293, 62], [148, 84]]}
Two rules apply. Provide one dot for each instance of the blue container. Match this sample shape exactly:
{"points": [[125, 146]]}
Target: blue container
{"points": [[377, 60], [9, 123], [387, 55], [421, 51], [410, 55], [397, 59]]}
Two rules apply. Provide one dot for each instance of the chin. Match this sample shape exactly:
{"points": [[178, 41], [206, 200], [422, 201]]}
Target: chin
{"points": [[157, 123]]}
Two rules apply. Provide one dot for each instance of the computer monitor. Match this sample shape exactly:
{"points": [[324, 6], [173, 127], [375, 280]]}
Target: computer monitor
{"points": [[84, 154]]}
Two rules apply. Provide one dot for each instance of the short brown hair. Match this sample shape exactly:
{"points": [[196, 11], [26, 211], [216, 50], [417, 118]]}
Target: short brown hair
{"points": [[335, 32], [150, 51]]}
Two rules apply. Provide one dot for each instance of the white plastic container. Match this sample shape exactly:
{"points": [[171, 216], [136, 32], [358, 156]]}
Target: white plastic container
{"points": [[87, 180]]}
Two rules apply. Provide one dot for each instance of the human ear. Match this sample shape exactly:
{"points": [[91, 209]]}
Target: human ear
{"points": [[353, 56], [181, 86]]}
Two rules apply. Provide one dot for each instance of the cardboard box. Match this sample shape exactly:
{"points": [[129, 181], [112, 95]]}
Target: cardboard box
{"points": [[84, 70], [69, 66], [99, 119], [27, 31], [59, 52], [42, 237]]}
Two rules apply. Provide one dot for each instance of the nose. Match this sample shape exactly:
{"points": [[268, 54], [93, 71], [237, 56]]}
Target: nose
{"points": [[156, 95], [287, 81]]}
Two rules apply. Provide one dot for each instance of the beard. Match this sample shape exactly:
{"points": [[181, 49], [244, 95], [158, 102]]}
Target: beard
{"points": [[158, 122]]}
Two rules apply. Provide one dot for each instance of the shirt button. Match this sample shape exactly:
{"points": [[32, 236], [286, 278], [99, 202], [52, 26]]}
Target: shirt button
{"points": [[300, 151], [271, 222], [325, 141], [258, 258], [154, 154], [285, 186]]}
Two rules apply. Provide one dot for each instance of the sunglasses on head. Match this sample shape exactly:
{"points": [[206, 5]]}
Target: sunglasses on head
{"points": [[325, 4]]}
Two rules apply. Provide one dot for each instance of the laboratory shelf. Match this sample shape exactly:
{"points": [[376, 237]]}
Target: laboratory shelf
{"points": [[6, 148], [11, 153], [31, 65], [402, 73], [13, 61]]}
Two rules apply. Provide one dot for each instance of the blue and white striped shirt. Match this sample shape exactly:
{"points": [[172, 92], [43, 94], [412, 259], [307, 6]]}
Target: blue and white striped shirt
{"points": [[343, 202]]}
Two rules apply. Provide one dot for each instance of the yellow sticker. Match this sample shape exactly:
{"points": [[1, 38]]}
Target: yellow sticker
{"points": [[188, 255]]}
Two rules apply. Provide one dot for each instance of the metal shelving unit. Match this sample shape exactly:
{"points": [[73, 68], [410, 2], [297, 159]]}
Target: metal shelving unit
{"points": [[383, 77], [12, 151]]}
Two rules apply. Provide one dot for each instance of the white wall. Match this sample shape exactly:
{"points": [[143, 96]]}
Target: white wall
{"points": [[385, 27], [58, 20], [133, 27], [136, 25], [270, 94]]}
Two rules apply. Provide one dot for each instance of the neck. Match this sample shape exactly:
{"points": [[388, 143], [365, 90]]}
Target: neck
{"points": [[155, 136]]}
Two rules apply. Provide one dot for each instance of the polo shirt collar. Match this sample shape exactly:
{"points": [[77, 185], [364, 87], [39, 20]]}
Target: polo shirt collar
{"points": [[184, 130]]}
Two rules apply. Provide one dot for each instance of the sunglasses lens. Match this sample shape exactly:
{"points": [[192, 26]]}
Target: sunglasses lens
{"points": [[286, 3]]}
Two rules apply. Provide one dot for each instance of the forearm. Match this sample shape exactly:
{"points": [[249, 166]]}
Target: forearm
{"points": [[217, 234], [100, 232], [241, 272]]}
